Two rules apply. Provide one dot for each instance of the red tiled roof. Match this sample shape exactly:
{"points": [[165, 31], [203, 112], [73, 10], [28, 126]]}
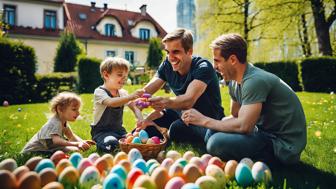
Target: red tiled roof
{"points": [[83, 28]]}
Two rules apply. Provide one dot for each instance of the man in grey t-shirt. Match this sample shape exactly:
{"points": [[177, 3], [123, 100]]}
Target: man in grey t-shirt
{"points": [[267, 121]]}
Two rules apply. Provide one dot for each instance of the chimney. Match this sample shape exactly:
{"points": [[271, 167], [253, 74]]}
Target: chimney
{"points": [[93, 6], [143, 9], [105, 6]]}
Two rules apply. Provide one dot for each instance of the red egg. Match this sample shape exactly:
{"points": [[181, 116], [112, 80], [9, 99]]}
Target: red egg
{"points": [[32, 162], [30, 180], [132, 177], [57, 156], [20, 171], [47, 175], [217, 161]]}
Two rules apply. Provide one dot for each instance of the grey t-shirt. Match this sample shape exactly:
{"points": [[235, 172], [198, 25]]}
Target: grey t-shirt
{"points": [[282, 114], [42, 140]]}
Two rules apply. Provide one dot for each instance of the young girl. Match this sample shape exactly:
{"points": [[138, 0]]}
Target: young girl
{"points": [[109, 100], [51, 137]]}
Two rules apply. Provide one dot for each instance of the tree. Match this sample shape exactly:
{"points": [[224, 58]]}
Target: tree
{"points": [[67, 52], [155, 54]]}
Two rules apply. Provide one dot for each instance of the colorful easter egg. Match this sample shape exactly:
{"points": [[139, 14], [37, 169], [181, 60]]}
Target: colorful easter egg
{"points": [[47, 175], [156, 139], [191, 173], [151, 162], [141, 164], [230, 169], [129, 139], [134, 154], [119, 156], [243, 175], [173, 154], [258, 172], [109, 160], [176, 170], [145, 182], [153, 167], [132, 177], [126, 164], [150, 141], [143, 135], [113, 181], [136, 140], [89, 177], [181, 161], [93, 157], [188, 155], [20, 171], [207, 182], [53, 185], [167, 163], [198, 162], [30, 180], [247, 161], [7, 179], [161, 156], [102, 165], [205, 159], [83, 164], [57, 156], [44, 163], [217, 173], [62, 165], [160, 177], [75, 158], [69, 177], [32, 162], [120, 171], [175, 183], [216, 161], [8, 164], [190, 186]]}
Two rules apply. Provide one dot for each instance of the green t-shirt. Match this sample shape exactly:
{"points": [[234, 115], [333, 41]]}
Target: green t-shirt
{"points": [[282, 114]]}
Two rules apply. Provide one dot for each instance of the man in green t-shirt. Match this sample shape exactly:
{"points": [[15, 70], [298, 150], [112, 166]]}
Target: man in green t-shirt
{"points": [[267, 121]]}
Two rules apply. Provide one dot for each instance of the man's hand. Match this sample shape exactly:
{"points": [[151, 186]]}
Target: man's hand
{"points": [[194, 117], [159, 103], [90, 142], [137, 94], [142, 124], [82, 145]]}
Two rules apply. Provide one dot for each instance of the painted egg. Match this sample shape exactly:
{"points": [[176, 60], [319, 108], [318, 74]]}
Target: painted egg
{"points": [[217, 173], [188, 155], [132, 177], [134, 154], [20, 171], [69, 177], [102, 165], [7, 179], [75, 158], [258, 172], [198, 162], [175, 183], [230, 169], [44, 163], [247, 161], [181, 161], [53, 185], [47, 175], [141, 164], [143, 135], [205, 159], [156, 140], [150, 141], [151, 162], [30, 180], [120, 171], [32, 162], [109, 159], [161, 156], [207, 182], [120, 156], [136, 140], [167, 163], [83, 164], [129, 139], [8, 164], [191, 173], [176, 170], [145, 182], [89, 177], [173, 154], [190, 186], [126, 164], [113, 181], [153, 167], [216, 161], [135, 134], [62, 165], [57, 156], [243, 174], [93, 157], [160, 177], [146, 95], [97, 186]]}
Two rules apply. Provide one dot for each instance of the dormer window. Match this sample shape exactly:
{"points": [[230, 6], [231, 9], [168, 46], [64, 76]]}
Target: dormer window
{"points": [[144, 34], [9, 14], [109, 30], [49, 19]]}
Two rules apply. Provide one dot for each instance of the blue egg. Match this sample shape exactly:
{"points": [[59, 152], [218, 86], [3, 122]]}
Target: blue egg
{"points": [[190, 186], [259, 172], [243, 175], [143, 135], [120, 171], [134, 154], [44, 163], [75, 158], [136, 140], [113, 181], [182, 162], [141, 164]]}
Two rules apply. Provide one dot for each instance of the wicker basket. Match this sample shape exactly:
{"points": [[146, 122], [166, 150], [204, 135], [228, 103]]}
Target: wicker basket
{"points": [[148, 151]]}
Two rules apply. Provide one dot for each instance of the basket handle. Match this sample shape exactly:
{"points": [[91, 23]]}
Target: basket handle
{"points": [[163, 131]]}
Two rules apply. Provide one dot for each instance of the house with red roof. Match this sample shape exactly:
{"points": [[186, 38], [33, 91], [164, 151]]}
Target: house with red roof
{"points": [[102, 31]]}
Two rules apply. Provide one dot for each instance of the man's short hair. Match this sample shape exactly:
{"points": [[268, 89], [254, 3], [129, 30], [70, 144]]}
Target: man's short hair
{"points": [[231, 44], [183, 34], [113, 63]]}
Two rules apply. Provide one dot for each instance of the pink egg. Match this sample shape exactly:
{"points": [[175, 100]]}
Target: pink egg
{"points": [[83, 164], [175, 183], [216, 161], [156, 139], [198, 162], [166, 163], [93, 157], [57, 156], [205, 159]]}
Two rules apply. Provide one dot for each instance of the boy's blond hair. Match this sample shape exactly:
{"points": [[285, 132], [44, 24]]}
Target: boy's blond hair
{"points": [[113, 63], [63, 100]]}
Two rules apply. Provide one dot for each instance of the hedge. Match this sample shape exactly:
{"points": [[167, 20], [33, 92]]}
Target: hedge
{"points": [[17, 69], [319, 74], [286, 70], [88, 74]]}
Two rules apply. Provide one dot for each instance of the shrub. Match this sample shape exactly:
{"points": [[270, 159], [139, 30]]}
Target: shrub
{"points": [[88, 74], [155, 54], [17, 69], [318, 74], [49, 85], [286, 70]]}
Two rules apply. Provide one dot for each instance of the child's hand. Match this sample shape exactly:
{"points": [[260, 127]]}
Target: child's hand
{"points": [[82, 145], [137, 94], [90, 142]]}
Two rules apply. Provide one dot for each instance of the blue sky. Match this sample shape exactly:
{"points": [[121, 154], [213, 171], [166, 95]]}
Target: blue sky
{"points": [[163, 11]]}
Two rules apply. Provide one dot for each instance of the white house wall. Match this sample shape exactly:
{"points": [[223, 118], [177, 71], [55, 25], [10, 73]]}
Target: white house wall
{"points": [[109, 20], [145, 25]]}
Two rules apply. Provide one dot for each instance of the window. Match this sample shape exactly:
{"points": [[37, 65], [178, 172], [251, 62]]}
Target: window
{"points": [[111, 53], [129, 55], [144, 34], [109, 30], [49, 19], [9, 14]]}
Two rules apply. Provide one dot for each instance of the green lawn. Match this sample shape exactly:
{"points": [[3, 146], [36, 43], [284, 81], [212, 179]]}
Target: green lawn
{"points": [[318, 167]]}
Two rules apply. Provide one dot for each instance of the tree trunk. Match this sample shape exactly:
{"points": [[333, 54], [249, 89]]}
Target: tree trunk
{"points": [[304, 36]]}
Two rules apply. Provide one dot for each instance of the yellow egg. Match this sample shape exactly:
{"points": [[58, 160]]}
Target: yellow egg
{"points": [[144, 181], [53, 185], [109, 159], [191, 173], [173, 154], [62, 165], [120, 156], [32, 162], [8, 164], [126, 164], [230, 169], [188, 155], [30, 180], [176, 170], [7, 179], [20, 171], [47, 175], [69, 177], [217, 173], [207, 182], [160, 177]]}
